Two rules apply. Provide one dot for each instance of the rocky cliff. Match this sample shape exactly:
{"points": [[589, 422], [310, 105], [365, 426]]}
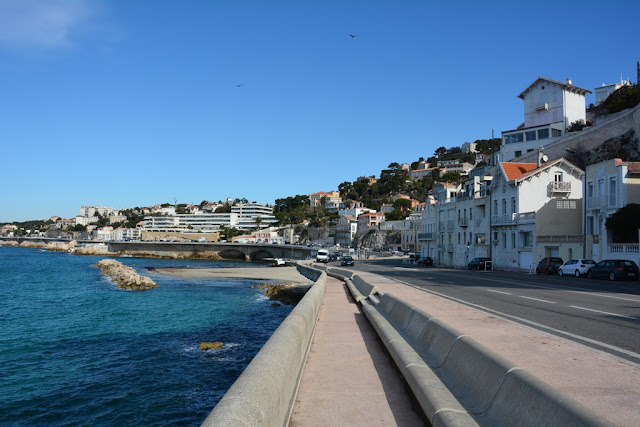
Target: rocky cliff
{"points": [[125, 277]]}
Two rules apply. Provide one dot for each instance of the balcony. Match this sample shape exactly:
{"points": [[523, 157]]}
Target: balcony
{"points": [[624, 248], [514, 218], [463, 222], [559, 187], [425, 236], [542, 106]]}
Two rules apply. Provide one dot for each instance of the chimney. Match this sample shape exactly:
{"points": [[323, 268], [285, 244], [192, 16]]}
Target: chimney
{"points": [[568, 81], [540, 156]]}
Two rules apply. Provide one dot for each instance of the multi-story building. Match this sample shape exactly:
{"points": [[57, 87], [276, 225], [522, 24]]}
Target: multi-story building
{"points": [[462, 168], [603, 92], [370, 221], [409, 233], [89, 211], [346, 229], [86, 220], [550, 106], [329, 200], [610, 185], [526, 199]]}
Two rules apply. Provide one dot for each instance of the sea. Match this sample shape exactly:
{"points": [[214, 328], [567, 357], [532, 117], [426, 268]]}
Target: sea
{"points": [[77, 350]]}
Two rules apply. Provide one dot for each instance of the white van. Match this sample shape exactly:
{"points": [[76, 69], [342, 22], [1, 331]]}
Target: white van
{"points": [[322, 256]]}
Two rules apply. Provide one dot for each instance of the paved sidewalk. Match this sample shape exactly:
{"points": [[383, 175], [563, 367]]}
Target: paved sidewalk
{"points": [[607, 385], [349, 379]]}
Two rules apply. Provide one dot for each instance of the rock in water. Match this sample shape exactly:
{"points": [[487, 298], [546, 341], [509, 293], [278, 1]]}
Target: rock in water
{"points": [[208, 345], [125, 277]]}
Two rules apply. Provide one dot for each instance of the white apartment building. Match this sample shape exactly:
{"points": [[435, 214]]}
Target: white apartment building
{"points": [[550, 106], [410, 232], [330, 200], [89, 211], [346, 229], [86, 220], [610, 185]]}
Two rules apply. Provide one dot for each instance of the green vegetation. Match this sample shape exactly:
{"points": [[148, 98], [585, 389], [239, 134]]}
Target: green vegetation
{"points": [[624, 224]]}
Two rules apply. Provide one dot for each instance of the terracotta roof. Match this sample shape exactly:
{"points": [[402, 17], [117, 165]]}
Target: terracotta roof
{"points": [[633, 167], [514, 170]]}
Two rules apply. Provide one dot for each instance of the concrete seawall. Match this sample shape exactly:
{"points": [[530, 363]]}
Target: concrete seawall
{"points": [[265, 392], [456, 380]]}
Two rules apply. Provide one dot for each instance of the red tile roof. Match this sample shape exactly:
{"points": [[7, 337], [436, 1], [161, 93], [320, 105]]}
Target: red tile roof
{"points": [[514, 170]]}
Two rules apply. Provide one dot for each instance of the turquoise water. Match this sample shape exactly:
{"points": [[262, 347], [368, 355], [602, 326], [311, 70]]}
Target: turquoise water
{"points": [[76, 350]]}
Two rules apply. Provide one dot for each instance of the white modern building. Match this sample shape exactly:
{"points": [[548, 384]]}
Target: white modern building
{"points": [[550, 107]]}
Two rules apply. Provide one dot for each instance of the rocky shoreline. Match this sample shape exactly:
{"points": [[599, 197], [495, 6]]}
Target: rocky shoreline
{"points": [[125, 277]]}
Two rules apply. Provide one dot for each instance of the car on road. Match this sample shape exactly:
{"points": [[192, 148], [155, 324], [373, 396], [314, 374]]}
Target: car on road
{"points": [[614, 269], [480, 263], [322, 256], [347, 260], [549, 265], [426, 261], [576, 267]]}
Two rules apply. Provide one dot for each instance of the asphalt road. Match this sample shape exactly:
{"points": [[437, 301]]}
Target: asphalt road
{"points": [[598, 313]]}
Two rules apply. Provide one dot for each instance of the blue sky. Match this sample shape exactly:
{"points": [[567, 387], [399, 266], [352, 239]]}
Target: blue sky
{"points": [[131, 103]]}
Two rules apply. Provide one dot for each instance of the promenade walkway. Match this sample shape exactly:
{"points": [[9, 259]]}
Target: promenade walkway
{"points": [[349, 379]]}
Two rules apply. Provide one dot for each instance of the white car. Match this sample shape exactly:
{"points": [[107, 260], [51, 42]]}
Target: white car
{"points": [[576, 267]]}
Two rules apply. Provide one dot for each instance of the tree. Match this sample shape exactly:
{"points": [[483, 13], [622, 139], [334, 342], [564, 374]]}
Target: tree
{"points": [[402, 204], [258, 221], [624, 224], [452, 177], [576, 126]]}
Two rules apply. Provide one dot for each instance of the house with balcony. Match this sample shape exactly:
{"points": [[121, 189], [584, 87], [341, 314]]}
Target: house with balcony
{"points": [[370, 221], [550, 106], [524, 202], [609, 186], [330, 200], [428, 230]]}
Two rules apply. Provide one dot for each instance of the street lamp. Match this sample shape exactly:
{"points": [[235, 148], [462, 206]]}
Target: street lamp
{"points": [[584, 200]]}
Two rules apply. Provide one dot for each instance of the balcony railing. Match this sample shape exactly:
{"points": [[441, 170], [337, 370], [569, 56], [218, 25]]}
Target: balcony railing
{"points": [[624, 248], [559, 187], [567, 238], [425, 236], [513, 218], [463, 222]]}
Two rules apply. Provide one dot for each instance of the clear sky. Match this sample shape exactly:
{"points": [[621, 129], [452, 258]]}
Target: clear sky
{"points": [[131, 103]]}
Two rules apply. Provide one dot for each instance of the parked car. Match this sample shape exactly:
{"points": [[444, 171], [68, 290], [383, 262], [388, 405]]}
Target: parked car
{"points": [[615, 269], [549, 265], [481, 263], [577, 267], [426, 261], [347, 260]]}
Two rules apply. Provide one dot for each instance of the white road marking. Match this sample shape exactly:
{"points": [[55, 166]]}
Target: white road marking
{"points": [[537, 299], [533, 325], [499, 292], [604, 312]]}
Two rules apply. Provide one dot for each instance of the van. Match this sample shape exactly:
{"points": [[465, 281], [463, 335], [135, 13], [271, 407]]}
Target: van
{"points": [[322, 256]]}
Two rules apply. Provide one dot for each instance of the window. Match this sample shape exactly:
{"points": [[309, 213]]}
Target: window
{"points": [[612, 191], [513, 138], [518, 153], [556, 133], [526, 238], [504, 206], [458, 237], [543, 133], [504, 240], [557, 177], [590, 225], [470, 214], [513, 205], [565, 204], [471, 238], [531, 135], [513, 240]]}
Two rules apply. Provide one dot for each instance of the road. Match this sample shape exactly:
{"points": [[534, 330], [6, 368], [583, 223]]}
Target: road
{"points": [[598, 313]]}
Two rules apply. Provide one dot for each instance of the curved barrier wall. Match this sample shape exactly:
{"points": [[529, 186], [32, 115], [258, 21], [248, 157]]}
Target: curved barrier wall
{"points": [[265, 392], [456, 380]]}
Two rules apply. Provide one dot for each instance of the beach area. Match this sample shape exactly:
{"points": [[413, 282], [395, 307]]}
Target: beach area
{"points": [[282, 284]]}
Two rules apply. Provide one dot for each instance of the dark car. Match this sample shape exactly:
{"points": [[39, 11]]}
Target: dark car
{"points": [[426, 261], [481, 263], [549, 265], [347, 260], [614, 269]]}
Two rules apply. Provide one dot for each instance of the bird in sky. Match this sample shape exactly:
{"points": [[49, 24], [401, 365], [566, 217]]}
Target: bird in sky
{"points": [[239, 85], [353, 36]]}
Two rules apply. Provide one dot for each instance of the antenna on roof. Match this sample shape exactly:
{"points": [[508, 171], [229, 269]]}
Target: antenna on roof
{"points": [[175, 201]]}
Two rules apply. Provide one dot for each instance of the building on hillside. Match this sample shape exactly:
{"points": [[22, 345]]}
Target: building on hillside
{"points": [[329, 200], [269, 236], [610, 185], [356, 209], [462, 168], [85, 220], [346, 229], [89, 211], [386, 208], [418, 174], [524, 202], [117, 217], [550, 107], [469, 147], [603, 92], [370, 221], [65, 222], [369, 179]]}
